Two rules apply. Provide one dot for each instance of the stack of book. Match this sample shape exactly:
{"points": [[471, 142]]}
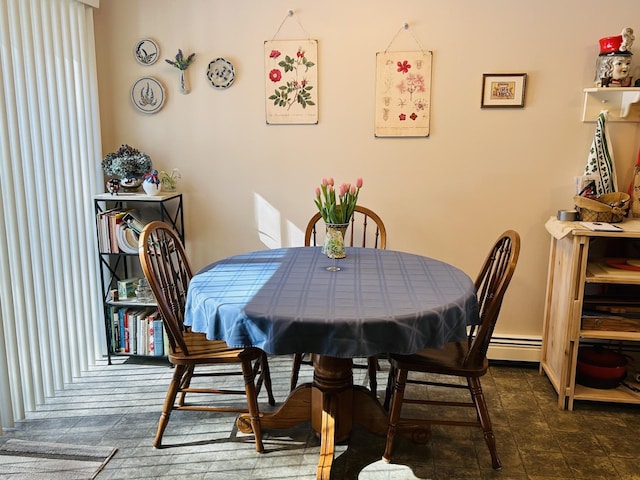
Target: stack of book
{"points": [[118, 231], [138, 331]]}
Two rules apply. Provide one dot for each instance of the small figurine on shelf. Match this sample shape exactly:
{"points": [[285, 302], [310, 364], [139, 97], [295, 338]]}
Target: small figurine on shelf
{"points": [[113, 185], [151, 183], [613, 66]]}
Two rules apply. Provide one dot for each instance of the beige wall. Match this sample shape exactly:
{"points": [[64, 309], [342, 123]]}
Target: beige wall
{"points": [[480, 172]]}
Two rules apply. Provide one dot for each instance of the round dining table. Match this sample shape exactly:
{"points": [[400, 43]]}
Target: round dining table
{"points": [[287, 301]]}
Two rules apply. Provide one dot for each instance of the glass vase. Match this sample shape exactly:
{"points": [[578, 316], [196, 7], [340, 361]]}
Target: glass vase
{"points": [[185, 88], [334, 241]]}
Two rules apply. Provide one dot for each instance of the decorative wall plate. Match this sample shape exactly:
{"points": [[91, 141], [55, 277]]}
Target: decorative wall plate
{"points": [[147, 95], [146, 52], [221, 73]]}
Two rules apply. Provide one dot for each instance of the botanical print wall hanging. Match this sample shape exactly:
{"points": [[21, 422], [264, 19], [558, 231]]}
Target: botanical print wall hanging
{"points": [[403, 94], [291, 83]]}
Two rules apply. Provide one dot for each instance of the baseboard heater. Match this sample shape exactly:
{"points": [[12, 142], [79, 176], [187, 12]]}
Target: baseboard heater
{"points": [[515, 348]]}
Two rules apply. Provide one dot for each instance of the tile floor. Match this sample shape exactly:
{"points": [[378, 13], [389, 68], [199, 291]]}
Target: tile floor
{"points": [[118, 405]]}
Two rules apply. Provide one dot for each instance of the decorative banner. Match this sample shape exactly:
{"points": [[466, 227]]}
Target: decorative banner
{"points": [[291, 83], [403, 94]]}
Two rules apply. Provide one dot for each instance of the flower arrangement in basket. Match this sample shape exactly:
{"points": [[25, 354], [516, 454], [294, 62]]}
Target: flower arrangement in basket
{"points": [[609, 207]]}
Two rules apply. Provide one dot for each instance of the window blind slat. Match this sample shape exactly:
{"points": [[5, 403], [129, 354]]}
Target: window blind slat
{"points": [[49, 130]]}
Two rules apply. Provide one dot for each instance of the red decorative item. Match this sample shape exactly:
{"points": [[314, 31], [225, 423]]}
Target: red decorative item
{"points": [[599, 367], [610, 44]]}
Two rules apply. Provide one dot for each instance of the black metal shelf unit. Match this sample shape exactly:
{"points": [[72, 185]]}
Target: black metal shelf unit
{"points": [[115, 267]]}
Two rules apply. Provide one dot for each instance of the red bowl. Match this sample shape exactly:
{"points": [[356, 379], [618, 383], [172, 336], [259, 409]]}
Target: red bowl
{"points": [[599, 367]]}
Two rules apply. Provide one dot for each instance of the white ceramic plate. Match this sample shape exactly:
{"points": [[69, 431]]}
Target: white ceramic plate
{"points": [[147, 95], [146, 52], [221, 73]]}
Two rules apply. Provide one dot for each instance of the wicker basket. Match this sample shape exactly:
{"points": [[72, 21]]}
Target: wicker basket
{"points": [[610, 207]]}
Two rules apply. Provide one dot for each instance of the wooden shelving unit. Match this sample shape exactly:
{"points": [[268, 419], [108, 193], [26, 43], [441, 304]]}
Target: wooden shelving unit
{"points": [[578, 267]]}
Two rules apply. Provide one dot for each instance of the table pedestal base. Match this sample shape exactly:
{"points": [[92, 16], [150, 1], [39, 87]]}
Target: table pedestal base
{"points": [[332, 403]]}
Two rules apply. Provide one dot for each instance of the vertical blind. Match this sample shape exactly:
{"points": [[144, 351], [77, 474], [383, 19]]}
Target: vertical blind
{"points": [[51, 322]]}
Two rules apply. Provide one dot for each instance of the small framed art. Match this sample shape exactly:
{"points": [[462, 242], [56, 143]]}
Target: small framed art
{"points": [[503, 90]]}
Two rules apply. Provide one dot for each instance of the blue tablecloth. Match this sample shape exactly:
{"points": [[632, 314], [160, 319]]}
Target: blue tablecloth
{"points": [[285, 301]]}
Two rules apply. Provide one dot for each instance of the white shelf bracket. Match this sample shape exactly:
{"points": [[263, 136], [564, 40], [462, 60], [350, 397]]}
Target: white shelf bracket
{"points": [[620, 102], [628, 99]]}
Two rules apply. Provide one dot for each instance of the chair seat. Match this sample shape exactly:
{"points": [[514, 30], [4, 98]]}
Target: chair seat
{"points": [[202, 351], [449, 360]]}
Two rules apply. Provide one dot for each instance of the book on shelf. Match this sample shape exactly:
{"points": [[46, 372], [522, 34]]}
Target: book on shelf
{"points": [[121, 330], [165, 339], [156, 342], [134, 222], [115, 328], [102, 221], [137, 331], [141, 348], [108, 223]]}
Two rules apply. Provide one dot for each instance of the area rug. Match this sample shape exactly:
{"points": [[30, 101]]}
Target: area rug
{"points": [[25, 460]]}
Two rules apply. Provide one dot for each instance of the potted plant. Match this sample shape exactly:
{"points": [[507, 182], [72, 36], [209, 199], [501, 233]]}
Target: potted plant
{"points": [[128, 164], [170, 180]]}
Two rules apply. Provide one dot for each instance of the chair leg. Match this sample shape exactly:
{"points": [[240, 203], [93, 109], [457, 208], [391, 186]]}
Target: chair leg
{"points": [[389, 391], [485, 421], [252, 402], [185, 382], [372, 369], [266, 377], [169, 400], [396, 407]]}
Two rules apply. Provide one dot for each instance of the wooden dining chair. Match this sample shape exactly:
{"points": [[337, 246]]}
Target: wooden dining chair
{"points": [[166, 268], [366, 225], [466, 360]]}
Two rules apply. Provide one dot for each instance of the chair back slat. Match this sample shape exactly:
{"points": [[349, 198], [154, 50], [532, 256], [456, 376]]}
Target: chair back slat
{"points": [[360, 233], [166, 268], [491, 285]]}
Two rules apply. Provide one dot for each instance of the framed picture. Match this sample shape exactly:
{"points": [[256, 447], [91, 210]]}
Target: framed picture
{"points": [[403, 94], [291, 81], [503, 90]]}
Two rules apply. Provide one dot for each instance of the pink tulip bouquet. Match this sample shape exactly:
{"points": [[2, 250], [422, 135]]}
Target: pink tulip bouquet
{"points": [[340, 210]]}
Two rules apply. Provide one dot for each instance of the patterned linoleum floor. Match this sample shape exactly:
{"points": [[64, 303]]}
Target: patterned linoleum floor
{"points": [[118, 405]]}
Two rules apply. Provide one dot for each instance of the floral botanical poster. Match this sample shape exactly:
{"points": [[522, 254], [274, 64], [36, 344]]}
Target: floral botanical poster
{"points": [[291, 83], [403, 94]]}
